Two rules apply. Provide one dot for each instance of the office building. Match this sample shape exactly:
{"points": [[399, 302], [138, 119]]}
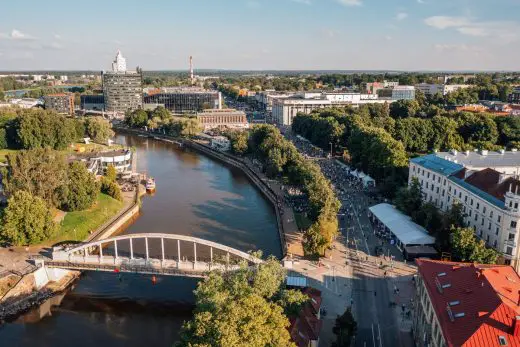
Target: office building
{"points": [[92, 102], [398, 93], [184, 100], [223, 119], [432, 89], [461, 304], [486, 184], [61, 103], [123, 90]]}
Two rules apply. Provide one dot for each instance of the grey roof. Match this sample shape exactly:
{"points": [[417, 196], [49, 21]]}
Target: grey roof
{"points": [[402, 226], [478, 192], [478, 160]]}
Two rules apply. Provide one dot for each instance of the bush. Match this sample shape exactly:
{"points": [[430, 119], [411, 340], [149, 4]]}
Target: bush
{"points": [[82, 189], [111, 188]]}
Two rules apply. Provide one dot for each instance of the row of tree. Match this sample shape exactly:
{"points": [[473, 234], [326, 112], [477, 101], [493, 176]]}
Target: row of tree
{"points": [[449, 229], [281, 159], [38, 128], [162, 120]]}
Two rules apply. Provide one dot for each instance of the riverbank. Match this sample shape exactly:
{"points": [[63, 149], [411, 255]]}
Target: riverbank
{"points": [[290, 236]]}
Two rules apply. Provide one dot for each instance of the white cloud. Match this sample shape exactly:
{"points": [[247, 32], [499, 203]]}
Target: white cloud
{"points": [[503, 31], [18, 35], [305, 2], [388, 38], [57, 36], [329, 32], [52, 45], [350, 2], [458, 48], [401, 16]]}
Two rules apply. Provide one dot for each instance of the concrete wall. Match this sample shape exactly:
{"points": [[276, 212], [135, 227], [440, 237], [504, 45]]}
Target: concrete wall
{"points": [[114, 227]]}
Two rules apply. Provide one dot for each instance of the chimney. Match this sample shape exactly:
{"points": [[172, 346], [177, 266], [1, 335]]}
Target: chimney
{"points": [[516, 326]]}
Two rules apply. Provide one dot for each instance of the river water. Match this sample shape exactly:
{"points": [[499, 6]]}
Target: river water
{"points": [[195, 196]]}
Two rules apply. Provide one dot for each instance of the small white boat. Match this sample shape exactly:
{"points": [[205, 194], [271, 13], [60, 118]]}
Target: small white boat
{"points": [[150, 185]]}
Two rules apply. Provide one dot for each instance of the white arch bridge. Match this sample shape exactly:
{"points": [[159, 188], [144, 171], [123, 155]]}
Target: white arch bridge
{"points": [[162, 254]]}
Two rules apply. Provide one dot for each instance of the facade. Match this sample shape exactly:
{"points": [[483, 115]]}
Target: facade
{"points": [[123, 90], [462, 304], [187, 100], [61, 103], [121, 160], [514, 97], [432, 89], [92, 102], [220, 143], [119, 63], [486, 185], [221, 119]]}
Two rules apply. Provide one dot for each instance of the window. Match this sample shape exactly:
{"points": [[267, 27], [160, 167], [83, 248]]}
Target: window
{"points": [[437, 190], [502, 341], [484, 209], [489, 226], [454, 191], [471, 202], [487, 239], [449, 189], [490, 214], [460, 195], [449, 198], [497, 231], [443, 191], [466, 198], [499, 218], [516, 205], [426, 185], [434, 177], [511, 237], [513, 224], [428, 175], [478, 205], [442, 204], [464, 209], [495, 244], [482, 221], [476, 216], [469, 213], [444, 181], [433, 187], [413, 168], [509, 250], [439, 180]]}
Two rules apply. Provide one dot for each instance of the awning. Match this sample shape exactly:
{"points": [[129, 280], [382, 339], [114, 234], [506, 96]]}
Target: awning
{"points": [[404, 229]]}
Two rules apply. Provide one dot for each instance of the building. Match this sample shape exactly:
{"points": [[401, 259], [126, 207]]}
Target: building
{"points": [[514, 97], [64, 78], [432, 89], [122, 89], [397, 93], [61, 103], [223, 119], [97, 163], [305, 328], [220, 143], [92, 102], [468, 305], [285, 109], [184, 100], [486, 185]]}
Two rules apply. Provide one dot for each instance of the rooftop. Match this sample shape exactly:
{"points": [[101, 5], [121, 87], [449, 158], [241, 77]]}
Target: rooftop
{"points": [[483, 159], [479, 305], [438, 164]]}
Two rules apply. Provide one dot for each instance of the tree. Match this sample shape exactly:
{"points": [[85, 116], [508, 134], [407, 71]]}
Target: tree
{"points": [[161, 112], [292, 301], [40, 172], [111, 188], [82, 188], [345, 329], [111, 173], [313, 242], [404, 108], [239, 309], [98, 129], [137, 118], [26, 220], [409, 199], [3, 138], [466, 247]]}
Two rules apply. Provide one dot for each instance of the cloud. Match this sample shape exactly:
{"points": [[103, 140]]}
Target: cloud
{"points": [[57, 36], [503, 31], [52, 45], [388, 38], [329, 32], [401, 16], [305, 2], [457, 48], [18, 35], [421, 1], [350, 2]]}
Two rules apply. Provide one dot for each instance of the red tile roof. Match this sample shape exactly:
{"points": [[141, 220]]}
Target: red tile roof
{"points": [[488, 296], [488, 180], [315, 298], [306, 327]]}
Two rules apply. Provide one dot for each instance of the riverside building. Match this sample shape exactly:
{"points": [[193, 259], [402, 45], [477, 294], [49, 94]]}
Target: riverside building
{"points": [[122, 89], [183, 100], [486, 184], [222, 119], [61, 103]]}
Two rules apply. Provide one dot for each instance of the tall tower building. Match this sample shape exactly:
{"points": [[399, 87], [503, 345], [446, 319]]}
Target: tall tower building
{"points": [[192, 77], [119, 64]]}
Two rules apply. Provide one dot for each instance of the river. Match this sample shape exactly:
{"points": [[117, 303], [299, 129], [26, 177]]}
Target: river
{"points": [[196, 196]]}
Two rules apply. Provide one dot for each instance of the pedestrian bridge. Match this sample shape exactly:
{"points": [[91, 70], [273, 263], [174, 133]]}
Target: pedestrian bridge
{"points": [[161, 254]]}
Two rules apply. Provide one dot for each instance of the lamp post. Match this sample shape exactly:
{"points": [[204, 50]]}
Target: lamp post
{"points": [[330, 143]]}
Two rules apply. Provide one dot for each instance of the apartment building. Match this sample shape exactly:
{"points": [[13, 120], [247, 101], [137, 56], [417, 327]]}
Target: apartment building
{"points": [[432, 89], [184, 100], [221, 119], [486, 184], [461, 304], [61, 103]]}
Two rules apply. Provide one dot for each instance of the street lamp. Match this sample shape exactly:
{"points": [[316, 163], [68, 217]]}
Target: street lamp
{"points": [[330, 143]]}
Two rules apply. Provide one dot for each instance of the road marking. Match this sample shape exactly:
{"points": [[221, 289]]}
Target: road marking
{"points": [[373, 336], [379, 331]]}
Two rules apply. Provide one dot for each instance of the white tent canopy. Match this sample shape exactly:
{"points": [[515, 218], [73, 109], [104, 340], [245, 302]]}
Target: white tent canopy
{"points": [[368, 181], [401, 226]]}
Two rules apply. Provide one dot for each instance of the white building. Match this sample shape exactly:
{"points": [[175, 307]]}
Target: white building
{"points": [[119, 63], [432, 89], [220, 143], [486, 184], [64, 78]]}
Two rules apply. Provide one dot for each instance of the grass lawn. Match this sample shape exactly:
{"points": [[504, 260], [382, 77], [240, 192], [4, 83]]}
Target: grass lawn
{"points": [[302, 221], [92, 147], [4, 153], [76, 225]]}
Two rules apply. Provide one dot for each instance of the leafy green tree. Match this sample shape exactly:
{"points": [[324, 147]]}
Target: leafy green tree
{"points": [[82, 188], [409, 199], [477, 127], [111, 188], [239, 142], [314, 243], [40, 172], [26, 220], [3, 138], [111, 173], [98, 129], [508, 130], [445, 134], [137, 118], [239, 309], [161, 112], [466, 247], [404, 108], [345, 328], [292, 301], [2, 95], [416, 134]]}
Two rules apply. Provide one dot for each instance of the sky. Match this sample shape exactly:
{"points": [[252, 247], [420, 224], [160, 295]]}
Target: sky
{"points": [[261, 34]]}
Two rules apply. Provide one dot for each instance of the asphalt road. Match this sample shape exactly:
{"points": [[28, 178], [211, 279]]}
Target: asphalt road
{"points": [[377, 325]]}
